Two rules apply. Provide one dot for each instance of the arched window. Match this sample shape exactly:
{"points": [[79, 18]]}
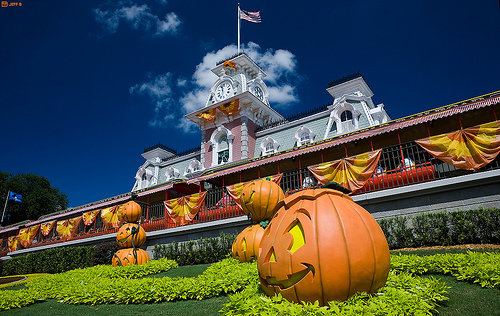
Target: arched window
{"points": [[144, 177], [304, 136], [346, 116], [222, 150], [269, 148]]}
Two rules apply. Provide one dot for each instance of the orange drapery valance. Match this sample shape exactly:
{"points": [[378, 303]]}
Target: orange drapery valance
{"points": [[47, 227], [182, 210], [89, 217], [27, 235], [352, 172], [13, 243], [469, 149], [228, 108], [235, 190], [110, 217], [68, 228]]}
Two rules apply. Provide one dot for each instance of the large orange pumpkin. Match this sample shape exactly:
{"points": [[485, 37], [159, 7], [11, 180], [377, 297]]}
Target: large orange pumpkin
{"points": [[126, 233], [130, 212], [322, 246], [246, 245], [259, 199], [124, 257]]}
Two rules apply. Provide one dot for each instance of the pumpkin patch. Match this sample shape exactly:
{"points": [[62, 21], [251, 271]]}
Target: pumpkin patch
{"points": [[322, 246]]}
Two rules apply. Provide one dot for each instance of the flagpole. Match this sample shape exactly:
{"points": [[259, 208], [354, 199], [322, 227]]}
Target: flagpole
{"points": [[5, 206], [239, 28]]}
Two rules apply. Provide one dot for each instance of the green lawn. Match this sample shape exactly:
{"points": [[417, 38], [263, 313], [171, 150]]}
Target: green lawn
{"points": [[464, 299]]}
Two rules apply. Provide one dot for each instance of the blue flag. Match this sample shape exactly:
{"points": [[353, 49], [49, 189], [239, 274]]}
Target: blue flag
{"points": [[15, 197]]}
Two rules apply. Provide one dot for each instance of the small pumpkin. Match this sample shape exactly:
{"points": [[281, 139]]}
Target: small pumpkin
{"points": [[246, 245], [128, 231], [259, 199], [322, 246], [130, 212], [125, 257]]}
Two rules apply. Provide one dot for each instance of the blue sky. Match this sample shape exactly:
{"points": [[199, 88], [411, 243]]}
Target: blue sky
{"points": [[85, 86]]}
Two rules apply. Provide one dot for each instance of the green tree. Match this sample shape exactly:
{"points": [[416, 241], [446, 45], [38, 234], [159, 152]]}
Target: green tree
{"points": [[39, 197]]}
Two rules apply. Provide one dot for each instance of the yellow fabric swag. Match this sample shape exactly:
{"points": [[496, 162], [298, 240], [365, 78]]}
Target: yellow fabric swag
{"points": [[469, 149], [27, 235], [47, 227], [352, 172], [182, 210], [13, 243], [110, 217], [89, 217], [68, 228]]}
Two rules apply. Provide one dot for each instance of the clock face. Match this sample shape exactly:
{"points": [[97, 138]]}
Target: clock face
{"points": [[258, 92], [224, 91]]}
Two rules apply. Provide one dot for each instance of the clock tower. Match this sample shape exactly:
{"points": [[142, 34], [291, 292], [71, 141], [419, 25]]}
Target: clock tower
{"points": [[237, 103]]}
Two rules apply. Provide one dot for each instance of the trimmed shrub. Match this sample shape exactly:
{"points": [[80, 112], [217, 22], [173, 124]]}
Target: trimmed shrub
{"points": [[103, 253], [443, 228], [203, 250], [53, 260]]}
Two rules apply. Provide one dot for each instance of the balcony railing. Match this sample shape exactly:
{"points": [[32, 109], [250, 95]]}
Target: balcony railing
{"points": [[399, 166]]}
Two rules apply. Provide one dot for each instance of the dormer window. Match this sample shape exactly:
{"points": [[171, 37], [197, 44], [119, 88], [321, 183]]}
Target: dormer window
{"points": [[172, 173], [304, 136], [269, 149], [144, 178], [346, 116], [194, 165], [269, 146]]}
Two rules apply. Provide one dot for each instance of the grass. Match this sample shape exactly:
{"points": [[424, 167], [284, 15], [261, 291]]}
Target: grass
{"points": [[464, 298], [206, 307], [429, 252], [468, 299]]}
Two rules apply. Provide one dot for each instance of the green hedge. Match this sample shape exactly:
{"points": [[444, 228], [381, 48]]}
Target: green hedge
{"points": [[203, 250], [56, 260], [480, 226]]}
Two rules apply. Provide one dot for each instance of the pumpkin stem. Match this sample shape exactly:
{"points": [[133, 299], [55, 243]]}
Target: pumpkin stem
{"points": [[335, 186], [264, 224]]}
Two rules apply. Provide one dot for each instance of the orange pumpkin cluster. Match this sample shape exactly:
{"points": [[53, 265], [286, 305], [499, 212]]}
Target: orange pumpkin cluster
{"points": [[259, 200], [319, 245], [130, 235]]}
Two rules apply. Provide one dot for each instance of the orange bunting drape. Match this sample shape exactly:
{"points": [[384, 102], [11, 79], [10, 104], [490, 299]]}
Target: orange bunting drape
{"points": [[89, 217], [182, 210], [228, 108], [208, 115], [68, 228], [13, 243], [47, 227], [352, 172], [469, 149], [27, 235], [235, 190], [110, 217]]}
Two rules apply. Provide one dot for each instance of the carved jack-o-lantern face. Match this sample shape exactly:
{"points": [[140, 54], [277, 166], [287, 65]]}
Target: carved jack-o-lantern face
{"points": [[246, 245], [322, 246], [125, 235], [259, 199], [125, 257]]}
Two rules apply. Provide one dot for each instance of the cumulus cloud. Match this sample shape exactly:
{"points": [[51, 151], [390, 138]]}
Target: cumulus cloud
{"points": [[279, 65], [138, 16], [159, 90]]}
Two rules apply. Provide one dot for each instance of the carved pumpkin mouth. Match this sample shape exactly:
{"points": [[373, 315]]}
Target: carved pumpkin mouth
{"points": [[292, 279], [250, 200]]}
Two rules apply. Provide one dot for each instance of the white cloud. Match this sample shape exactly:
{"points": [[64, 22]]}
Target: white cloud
{"points": [[159, 89], [138, 16], [167, 93]]}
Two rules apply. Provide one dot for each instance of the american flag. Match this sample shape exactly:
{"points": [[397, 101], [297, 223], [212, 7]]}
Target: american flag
{"points": [[250, 16]]}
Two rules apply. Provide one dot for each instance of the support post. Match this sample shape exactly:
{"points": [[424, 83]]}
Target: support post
{"points": [[5, 206]]}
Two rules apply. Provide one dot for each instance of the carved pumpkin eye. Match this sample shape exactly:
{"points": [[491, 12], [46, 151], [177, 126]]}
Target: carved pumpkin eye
{"points": [[271, 256], [244, 244], [299, 239]]}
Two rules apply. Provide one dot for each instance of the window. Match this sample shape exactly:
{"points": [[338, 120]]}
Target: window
{"points": [[144, 177], [222, 150], [269, 148], [346, 116], [305, 138]]}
